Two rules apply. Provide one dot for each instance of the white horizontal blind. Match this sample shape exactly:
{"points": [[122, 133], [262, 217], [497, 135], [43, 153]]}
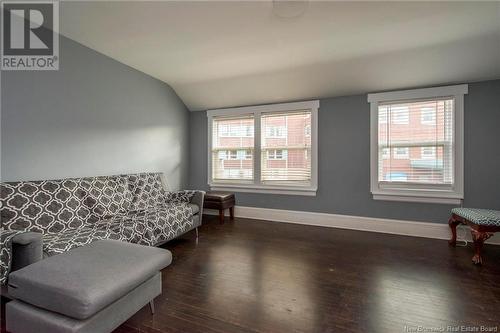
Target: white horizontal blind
{"points": [[286, 148], [415, 142], [233, 148]]}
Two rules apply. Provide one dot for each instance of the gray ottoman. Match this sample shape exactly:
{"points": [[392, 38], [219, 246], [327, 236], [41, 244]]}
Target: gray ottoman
{"points": [[93, 288]]}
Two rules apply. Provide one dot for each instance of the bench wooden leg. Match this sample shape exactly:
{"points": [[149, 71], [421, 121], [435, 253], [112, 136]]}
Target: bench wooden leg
{"points": [[231, 213], [479, 238], [453, 222], [221, 216]]}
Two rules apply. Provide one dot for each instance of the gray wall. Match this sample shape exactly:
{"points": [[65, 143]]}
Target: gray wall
{"points": [[95, 116], [344, 161]]}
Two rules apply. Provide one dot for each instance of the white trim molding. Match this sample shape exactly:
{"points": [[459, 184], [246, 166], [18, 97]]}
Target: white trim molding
{"points": [[423, 93], [452, 194], [255, 185], [360, 223]]}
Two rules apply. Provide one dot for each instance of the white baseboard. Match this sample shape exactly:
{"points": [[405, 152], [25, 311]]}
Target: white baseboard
{"points": [[388, 226]]}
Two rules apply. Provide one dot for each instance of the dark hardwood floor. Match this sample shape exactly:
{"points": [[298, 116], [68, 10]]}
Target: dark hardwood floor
{"points": [[258, 276]]}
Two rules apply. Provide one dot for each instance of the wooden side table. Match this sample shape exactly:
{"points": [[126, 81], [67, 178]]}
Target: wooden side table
{"points": [[221, 201]]}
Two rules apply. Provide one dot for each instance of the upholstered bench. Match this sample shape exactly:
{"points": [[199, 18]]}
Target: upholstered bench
{"points": [[221, 201], [90, 289], [483, 223]]}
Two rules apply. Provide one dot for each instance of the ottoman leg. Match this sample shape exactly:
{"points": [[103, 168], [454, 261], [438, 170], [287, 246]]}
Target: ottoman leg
{"points": [[231, 213], [152, 306], [221, 216], [479, 237]]}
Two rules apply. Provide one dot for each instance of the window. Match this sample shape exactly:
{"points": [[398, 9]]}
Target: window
{"points": [[276, 131], [279, 157], [236, 130], [382, 116], [427, 155], [400, 114], [276, 154], [428, 115], [401, 153], [232, 148], [386, 153]]}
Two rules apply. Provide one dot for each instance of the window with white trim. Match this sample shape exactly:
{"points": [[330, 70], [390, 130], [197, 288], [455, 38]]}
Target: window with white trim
{"points": [[425, 137], [279, 157], [232, 148]]}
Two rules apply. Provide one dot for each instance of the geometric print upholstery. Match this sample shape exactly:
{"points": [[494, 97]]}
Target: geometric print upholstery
{"points": [[6, 253], [165, 222], [104, 197], [147, 190], [179, 196], [47, 206], [486, 217], [72, 238], [77, 211], [145, 227]]}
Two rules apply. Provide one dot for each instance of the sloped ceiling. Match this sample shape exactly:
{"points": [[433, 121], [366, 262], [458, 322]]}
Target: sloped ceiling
{"points": [[222, 54]]}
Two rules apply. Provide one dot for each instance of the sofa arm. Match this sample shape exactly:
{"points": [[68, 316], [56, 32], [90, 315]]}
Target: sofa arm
{"points": [[27, 248], [197, 199]]}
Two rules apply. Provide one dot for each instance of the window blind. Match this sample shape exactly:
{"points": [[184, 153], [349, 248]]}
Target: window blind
{"points": [[233, 148], [286, 147], [415, 142]]}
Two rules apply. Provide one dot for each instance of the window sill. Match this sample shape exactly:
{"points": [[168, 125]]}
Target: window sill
{"points": [[288, 190], [418, 198]]}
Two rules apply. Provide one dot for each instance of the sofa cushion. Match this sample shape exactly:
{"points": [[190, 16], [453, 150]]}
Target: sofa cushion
{"points": [[147, 190], [71, 238], [167, 221], [105, 196], [195, 209], [180, 196], [46, 206], [83, 281], [130, 229]]}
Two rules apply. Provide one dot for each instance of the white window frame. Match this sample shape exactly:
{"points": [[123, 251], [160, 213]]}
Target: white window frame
{"points": [[411, 192], [256, 185]]}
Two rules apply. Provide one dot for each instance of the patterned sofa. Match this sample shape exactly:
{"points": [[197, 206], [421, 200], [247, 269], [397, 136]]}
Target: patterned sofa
{"points": [[69, 213]]}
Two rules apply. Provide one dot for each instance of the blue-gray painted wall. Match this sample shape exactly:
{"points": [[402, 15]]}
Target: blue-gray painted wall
{"points": [[95, 116], [344, 161]]}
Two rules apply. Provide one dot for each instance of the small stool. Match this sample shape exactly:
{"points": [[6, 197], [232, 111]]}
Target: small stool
{"points": [[482, 222], [221, 201]]}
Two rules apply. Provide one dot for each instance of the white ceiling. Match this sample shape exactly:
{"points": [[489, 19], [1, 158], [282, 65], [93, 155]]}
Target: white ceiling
{"points": [[221, 54]]}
